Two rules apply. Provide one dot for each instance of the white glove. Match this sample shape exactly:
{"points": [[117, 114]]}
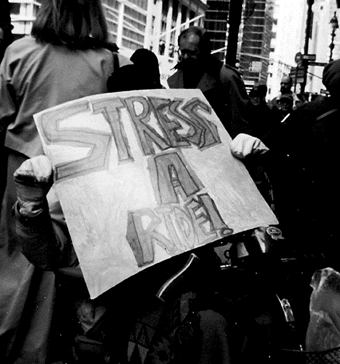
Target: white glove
{"points": [[244, 145], [33, 179]]}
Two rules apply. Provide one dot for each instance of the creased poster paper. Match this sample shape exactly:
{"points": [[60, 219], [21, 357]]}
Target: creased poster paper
{"points": [[143, 176]]}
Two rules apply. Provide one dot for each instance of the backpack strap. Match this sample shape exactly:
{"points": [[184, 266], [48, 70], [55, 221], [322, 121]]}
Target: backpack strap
{"points": [[115, 61]]}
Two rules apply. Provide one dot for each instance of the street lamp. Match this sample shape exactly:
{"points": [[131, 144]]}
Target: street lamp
{"points": [[335, 25]]}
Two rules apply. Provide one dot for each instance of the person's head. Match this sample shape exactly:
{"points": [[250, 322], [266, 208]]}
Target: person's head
{"points": [[285, 103], [331, 77], [147, 66], [254, 96], [78, 24], [132, 77], [194, 45], [262, 90], [286, 85], [258, 94], [145, 59]]}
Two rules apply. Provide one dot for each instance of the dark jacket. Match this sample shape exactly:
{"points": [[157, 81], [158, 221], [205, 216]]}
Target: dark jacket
{"points": [[226, 93], [32, 79], [304, 176]]}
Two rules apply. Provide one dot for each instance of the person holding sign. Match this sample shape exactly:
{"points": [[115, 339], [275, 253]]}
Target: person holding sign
{"points": [[64, 58], [106, 321], [164, 213]]}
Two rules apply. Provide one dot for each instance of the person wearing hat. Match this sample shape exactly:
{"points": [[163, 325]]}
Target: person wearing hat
{"points": [[286, 85], [285, 105]]}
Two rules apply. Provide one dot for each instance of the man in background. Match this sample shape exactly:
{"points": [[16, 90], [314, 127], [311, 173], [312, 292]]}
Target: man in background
{"points": [[221, 84], [264, 118], [286, 85]]}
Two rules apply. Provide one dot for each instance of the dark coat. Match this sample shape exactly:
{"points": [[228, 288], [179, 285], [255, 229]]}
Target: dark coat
{"points": [[304, 175], [226, 93]]}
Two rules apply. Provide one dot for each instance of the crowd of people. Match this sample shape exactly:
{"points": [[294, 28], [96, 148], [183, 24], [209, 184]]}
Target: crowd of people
{"points": [[46, 315]]}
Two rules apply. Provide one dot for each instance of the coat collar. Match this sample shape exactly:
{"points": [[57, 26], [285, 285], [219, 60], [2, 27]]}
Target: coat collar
{"points": [[206, 83], [209, 79]]}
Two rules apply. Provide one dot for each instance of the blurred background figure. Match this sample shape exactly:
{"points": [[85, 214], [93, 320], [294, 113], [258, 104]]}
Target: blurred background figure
{"points": [[142, 74], [285, 105], [301, 100], [286, 85], [264, 118], [258, 95], [305, 179], [147, 66]]}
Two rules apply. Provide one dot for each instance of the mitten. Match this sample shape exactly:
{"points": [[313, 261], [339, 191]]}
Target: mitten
{"points": [[33, 179], [244, 145]]}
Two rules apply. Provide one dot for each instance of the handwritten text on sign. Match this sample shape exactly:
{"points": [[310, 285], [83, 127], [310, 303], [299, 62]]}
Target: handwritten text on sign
{"points": [[143, 176]]}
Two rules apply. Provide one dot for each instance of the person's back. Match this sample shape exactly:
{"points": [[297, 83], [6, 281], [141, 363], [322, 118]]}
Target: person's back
{"points": [[64, 59], [42, 76]]}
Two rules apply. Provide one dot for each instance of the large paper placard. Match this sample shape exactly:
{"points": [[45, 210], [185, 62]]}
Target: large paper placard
{"points": [[143, 176]]}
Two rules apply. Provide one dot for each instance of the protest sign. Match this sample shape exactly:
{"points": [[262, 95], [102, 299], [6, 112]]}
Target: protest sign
{"points": [[143, 176]]}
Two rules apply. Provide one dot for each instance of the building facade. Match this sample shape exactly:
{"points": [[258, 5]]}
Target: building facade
{"points": [[290, 38], [255, 47], [23, 12], [320, 42], [254, 39], [216, 23]]}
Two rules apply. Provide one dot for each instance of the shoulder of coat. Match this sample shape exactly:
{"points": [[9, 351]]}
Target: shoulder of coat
{"points": [[231, 68]]}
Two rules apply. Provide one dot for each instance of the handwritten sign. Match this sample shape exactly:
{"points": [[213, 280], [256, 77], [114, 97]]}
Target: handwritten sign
{"points": [[143, 176]]}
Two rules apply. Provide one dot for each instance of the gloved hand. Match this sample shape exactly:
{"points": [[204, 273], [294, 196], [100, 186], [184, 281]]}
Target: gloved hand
{"points": [[33, 179], [244, 145]]}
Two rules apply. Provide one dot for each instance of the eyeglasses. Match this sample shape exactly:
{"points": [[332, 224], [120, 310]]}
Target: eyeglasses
{"points": [[189, 53]]}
